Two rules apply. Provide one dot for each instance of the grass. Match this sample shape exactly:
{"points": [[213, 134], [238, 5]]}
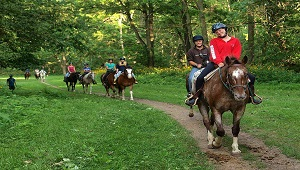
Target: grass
{"points": [[48, 128], [127, 135]]}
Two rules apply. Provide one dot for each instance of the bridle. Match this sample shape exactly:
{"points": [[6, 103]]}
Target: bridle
{"points": [[228, 85]]}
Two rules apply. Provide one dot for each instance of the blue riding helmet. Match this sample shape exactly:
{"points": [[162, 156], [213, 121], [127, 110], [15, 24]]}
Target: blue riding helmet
{"points": [[217, 26], [197, 37]]}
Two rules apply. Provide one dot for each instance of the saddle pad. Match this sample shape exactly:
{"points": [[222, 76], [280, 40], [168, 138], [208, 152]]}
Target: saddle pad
{"points": [[210, 75]]}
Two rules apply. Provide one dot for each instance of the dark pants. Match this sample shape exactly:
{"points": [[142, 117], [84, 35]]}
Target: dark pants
{"points": [[210, 67]]}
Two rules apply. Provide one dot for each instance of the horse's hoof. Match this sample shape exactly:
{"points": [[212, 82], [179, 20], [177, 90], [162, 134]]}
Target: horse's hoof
{"points": [[191, 115], [210, 146], [216, 147], [236, 153]]}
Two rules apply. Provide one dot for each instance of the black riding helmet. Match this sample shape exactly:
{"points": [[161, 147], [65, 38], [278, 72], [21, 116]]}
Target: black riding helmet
{"points": [[217, 26], [197, 37]]}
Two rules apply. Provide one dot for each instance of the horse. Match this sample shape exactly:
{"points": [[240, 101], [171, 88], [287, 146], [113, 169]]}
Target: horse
{"points": [[87, 81], [72, 80], [124, 80], [42, 74], [26, 75], [108, 83], [226, 90], [37, 73]]}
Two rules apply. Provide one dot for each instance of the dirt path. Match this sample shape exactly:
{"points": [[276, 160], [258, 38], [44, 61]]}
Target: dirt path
{"points": [[272, 158]]}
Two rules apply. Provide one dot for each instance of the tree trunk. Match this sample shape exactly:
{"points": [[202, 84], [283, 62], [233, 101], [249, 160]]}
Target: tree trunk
{"points": [[186, 24], [250, 36], [202, 20], [150, 35]]}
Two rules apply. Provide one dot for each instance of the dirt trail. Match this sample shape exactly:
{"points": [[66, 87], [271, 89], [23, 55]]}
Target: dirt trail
{"points": [[272, 158]]}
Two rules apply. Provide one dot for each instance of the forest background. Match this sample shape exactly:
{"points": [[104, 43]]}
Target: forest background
{"points": [[149, 33]]}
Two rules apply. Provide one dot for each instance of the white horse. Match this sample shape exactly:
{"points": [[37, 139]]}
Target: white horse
{"points": [[42, 75], [87, 81]]}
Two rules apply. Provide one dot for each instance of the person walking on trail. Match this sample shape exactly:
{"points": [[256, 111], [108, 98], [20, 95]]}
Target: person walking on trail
{"points": [[120, 68], [11, 83], [221, 47], [197, 57]]}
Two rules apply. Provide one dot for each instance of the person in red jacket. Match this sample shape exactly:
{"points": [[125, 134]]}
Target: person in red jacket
{"points": [[221, 47]]}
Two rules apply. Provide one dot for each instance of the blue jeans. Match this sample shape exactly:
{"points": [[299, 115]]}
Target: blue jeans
{"points": [[194, 69]]}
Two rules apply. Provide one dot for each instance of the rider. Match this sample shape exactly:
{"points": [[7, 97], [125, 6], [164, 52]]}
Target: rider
{"points": [[110, 67], [71, 69], [11, 82], [86, 70], [221, 47], [120, 68], [197, 57], [27, 70]]}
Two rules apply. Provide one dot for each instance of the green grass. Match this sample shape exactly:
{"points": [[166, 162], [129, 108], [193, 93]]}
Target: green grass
{"points": [[47, 128]]}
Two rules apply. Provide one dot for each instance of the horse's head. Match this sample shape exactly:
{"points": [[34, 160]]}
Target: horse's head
{"points": [[128, 72], [237, 77]]}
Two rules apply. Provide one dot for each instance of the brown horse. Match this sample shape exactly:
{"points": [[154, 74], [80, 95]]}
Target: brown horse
{"points": [[27, 75], [72, 80], [227, 90], [126, 80], [108, 83]]}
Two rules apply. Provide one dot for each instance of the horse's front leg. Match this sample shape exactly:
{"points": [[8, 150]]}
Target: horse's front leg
{"points": [[235, 132], [91, 87], [123, 94], [220, 130], [131, 93], [204, 110]]}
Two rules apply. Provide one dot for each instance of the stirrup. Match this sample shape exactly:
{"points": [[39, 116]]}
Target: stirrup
{"points": [[188, 99], [254, 101]]}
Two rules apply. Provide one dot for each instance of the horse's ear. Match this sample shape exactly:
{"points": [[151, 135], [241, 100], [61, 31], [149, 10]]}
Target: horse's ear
{"points": [[227, 60], [245, 59]]}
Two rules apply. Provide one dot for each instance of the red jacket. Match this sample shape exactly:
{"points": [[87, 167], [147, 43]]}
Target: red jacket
{"points": [[219, 49]]}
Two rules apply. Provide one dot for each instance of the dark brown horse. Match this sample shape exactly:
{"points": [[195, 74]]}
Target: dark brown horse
{"points": [[126, 80], [227, 90], [27, 75], [108, 83], [72, 80]]}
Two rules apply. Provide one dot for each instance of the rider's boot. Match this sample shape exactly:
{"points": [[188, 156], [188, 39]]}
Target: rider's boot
{"points": [[64, 79], [254, 99], [192, 99], [135, 81]]}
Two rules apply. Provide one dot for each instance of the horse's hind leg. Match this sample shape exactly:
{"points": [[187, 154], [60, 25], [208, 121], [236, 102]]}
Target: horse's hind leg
{"points": [[191, 112]]}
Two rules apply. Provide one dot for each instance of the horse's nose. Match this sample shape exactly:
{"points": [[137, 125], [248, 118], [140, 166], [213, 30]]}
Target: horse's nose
{"points": [[240, 97]]}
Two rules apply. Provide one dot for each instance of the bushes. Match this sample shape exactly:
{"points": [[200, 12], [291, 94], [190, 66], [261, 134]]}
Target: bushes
{"points": [[272, 74], [264, 74]]}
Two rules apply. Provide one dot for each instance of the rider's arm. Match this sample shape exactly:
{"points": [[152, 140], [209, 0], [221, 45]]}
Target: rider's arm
{"points": [[214, 52]]}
